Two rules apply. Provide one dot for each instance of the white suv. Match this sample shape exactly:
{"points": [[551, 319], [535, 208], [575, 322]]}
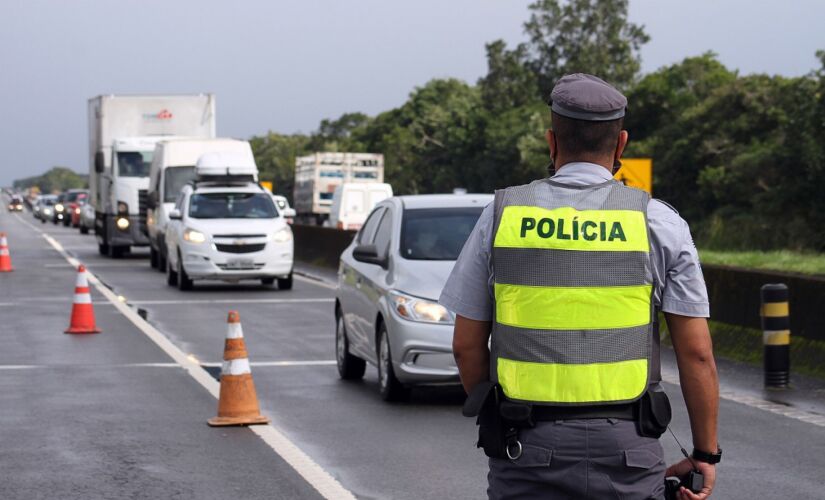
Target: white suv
{"points": [[227, 231]]}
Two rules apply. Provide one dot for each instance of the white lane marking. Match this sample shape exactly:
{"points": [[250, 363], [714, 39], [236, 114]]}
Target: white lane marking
{"points": [[318, 478], [125, 266], [321, 362], [320, 283], [123, 365], [672, 377], [227, 301]]}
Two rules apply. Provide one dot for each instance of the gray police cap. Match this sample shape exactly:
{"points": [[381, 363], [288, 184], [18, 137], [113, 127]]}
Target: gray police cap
{"points": [[585, 97]]}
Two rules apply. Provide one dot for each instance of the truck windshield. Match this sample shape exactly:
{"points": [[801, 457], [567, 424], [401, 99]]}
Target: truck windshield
{"points": [[436, 233], [174, 180], [232, 206], [134, 163]]}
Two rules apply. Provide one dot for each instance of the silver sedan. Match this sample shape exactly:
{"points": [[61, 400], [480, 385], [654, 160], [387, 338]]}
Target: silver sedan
{"points": [[389, 280]]}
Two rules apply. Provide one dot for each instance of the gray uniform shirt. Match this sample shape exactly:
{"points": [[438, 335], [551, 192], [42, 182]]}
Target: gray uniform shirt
{"points": [[680, 286]]}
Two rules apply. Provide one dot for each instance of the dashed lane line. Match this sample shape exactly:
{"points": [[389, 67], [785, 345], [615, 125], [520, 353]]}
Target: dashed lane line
{"points": [[317, 477], [322, 362], [261, 364], [228, 301]]}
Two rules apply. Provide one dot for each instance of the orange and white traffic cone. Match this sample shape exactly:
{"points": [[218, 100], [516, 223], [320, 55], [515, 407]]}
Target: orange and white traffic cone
{"points": [[5, 258], [238, 402], [83, 314]]}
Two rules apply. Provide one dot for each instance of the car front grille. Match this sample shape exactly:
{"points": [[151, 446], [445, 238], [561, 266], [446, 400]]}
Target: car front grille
{"points": [[250, 267], [143, 206], [236, 236], [247, 248]]}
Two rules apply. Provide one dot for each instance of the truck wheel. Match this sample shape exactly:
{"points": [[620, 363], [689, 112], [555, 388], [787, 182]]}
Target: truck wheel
{"points": [[184, 283], [153, 257], [84, 229], [103, 249], [117, 252], [171, 275], [285, 283]]}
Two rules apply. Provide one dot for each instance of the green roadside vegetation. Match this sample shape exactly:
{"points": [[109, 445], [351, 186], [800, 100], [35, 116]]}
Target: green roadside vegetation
{"points": [[55, 180], [745, 345], [777, 260]]}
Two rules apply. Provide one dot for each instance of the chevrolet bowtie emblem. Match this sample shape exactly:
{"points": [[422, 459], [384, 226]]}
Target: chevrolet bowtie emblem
{"points": [[239, 242]]}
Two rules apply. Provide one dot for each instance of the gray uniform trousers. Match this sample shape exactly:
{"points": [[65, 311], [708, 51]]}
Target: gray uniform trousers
{"points": [[598, 459]]}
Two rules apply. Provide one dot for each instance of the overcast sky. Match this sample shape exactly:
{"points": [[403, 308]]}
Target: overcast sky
{"points": [[284, 66]]}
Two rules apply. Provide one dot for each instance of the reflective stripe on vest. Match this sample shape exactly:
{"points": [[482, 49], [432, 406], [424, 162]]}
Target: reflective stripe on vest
{"points": [[573, 294]]}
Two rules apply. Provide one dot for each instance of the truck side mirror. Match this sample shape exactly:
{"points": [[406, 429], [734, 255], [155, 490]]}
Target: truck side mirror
{"points": [[175, 215], [100, 163]]}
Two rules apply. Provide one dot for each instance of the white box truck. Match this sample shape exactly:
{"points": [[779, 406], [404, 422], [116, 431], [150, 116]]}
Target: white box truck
{"points": [[123, 131], [317, 176]]}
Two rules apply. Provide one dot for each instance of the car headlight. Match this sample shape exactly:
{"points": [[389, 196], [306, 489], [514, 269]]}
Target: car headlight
{"points": [[122, 223], [422, 310], [59, 207], [122, 208], [282, 235], [193, 236]]}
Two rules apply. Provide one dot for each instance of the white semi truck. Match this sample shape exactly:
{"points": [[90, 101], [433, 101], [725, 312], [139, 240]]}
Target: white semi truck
{"points": [[123, 131], [317, 176]]}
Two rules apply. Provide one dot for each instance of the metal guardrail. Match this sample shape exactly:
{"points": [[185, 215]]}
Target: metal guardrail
{"points": [[320, 246]]}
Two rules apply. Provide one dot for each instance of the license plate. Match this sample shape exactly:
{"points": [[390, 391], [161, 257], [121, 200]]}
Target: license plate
{"points": [[239, 264]]}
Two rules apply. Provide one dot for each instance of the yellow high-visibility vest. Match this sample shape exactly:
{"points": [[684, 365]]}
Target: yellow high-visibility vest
{"points": [[574, 315]]}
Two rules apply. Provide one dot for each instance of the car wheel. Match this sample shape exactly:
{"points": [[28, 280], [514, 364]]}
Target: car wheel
{"points": [[184, 283], [163, 260], [388, 385], [349, 367], [43, 221], [171, 275], [268, 281], [153, 257], [66, 222], [285, 283]]}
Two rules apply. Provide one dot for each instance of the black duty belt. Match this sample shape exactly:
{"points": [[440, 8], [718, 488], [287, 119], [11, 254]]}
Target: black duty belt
{"points": [[550, 413]]}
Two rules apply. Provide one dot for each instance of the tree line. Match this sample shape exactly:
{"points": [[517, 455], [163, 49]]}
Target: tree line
{"points": [[741, 156]]}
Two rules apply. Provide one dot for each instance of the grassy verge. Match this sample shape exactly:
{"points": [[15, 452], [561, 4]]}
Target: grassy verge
{"points": [[745, 344], [780, 260]]}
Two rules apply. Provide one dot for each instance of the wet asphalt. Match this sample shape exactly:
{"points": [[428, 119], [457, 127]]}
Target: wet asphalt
{"points": [[108, 416]]}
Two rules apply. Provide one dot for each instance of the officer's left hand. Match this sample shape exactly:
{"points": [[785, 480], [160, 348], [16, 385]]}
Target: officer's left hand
{"points": [[680, 469]]}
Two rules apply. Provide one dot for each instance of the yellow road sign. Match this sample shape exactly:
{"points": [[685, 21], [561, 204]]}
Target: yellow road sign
{"points": [[636, 172]]}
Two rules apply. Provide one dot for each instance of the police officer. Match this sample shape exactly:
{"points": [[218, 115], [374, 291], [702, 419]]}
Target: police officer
{"points": [[565, 277]]}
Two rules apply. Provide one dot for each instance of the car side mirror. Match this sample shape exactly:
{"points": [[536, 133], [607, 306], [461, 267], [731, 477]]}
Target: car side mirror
{"points": [[100, 163], [175, 215], [288, 212], [369, 255]]}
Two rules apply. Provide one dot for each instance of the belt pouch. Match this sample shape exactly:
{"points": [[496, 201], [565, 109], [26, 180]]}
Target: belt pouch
{"points": [[654, 412], [483, 402]]}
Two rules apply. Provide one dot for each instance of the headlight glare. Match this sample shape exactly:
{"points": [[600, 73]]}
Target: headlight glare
{"points": [[59, 207], [193, 236], [122, 223], [283, 235], [421, 310]]}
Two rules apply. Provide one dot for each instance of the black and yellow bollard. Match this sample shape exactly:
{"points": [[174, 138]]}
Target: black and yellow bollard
{"points": [[776, 328]]}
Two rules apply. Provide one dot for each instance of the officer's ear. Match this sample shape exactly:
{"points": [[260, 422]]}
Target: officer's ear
{"points": [[620, 145], [551, 142]]}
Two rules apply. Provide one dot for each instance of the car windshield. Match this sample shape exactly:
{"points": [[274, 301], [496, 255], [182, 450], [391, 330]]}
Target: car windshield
{"points": [[232, 206], [134, 163], [175, 179], [436, 233], [75, 196]]}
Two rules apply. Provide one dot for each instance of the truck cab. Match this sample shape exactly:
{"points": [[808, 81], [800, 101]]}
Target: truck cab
{"points": [[120, 215]]}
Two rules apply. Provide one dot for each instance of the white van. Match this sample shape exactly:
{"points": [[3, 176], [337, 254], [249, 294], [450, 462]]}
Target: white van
{"points": [[353, 201], [173, 166]]}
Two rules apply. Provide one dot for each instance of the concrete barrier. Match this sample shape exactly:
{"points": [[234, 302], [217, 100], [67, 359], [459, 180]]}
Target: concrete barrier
{"points": [[734, 292], [320, 246], [735, 298]]}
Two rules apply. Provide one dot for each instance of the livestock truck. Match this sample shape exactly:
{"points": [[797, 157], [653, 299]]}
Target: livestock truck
{"points": [[317, 176], [123, 130]]}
